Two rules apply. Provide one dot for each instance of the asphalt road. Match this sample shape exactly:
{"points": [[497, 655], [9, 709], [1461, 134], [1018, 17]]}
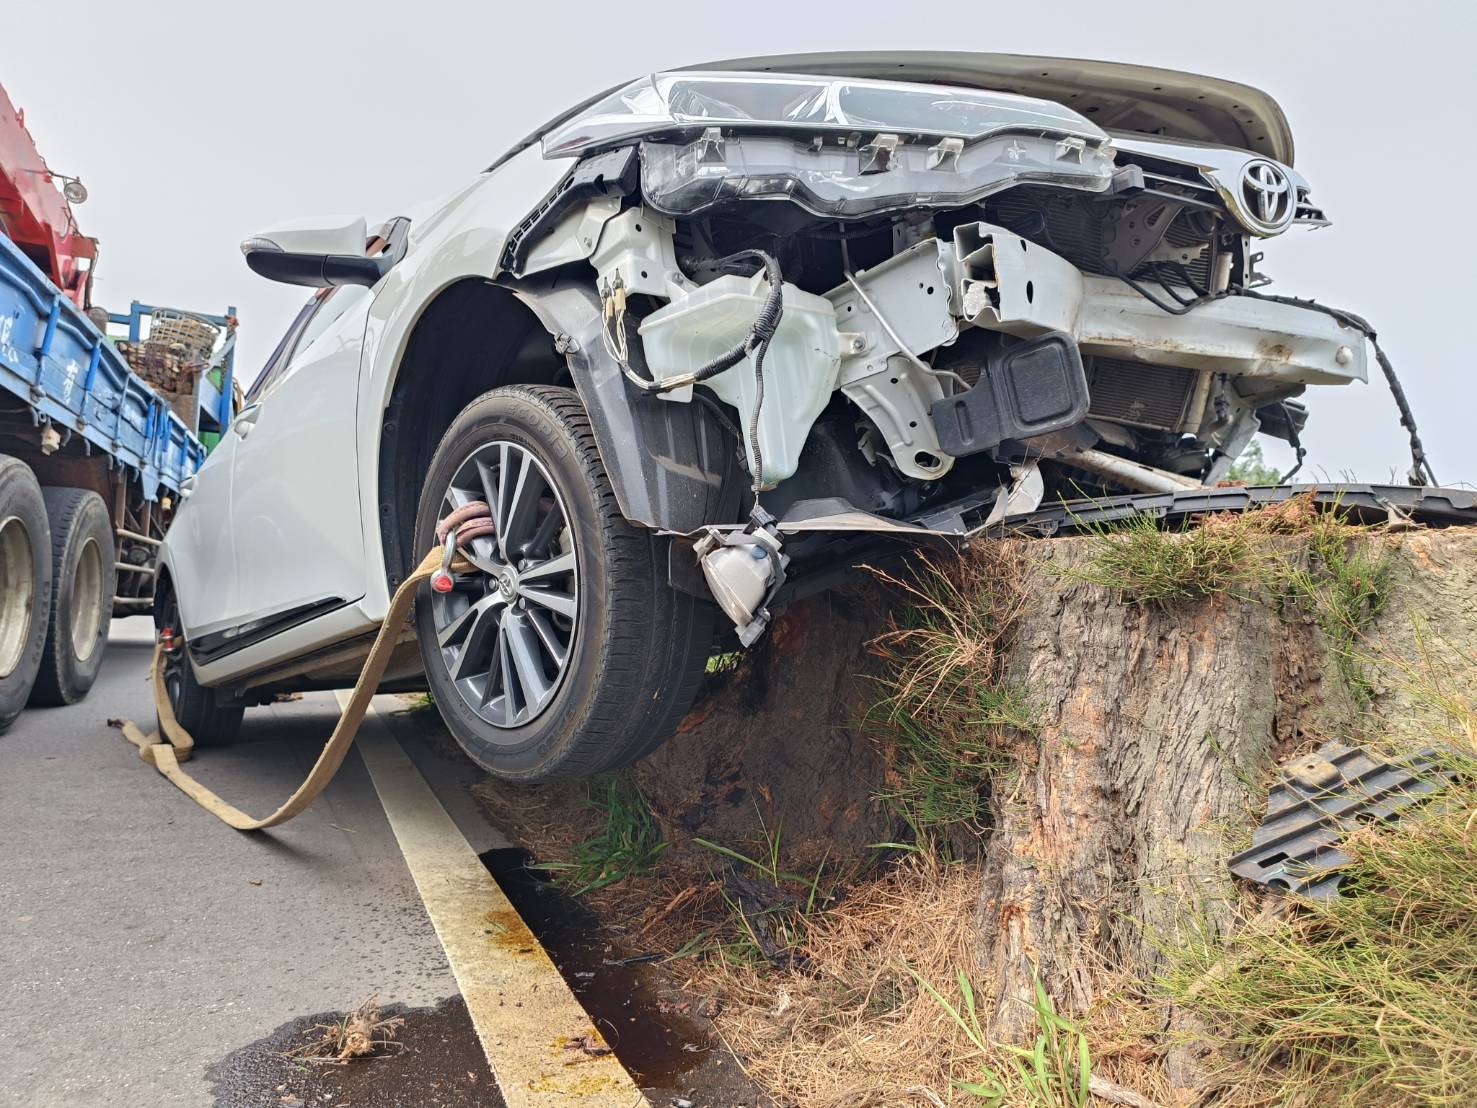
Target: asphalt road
{"points": [[146, 950]]}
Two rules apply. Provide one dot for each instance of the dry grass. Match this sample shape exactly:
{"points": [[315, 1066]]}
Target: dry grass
{"points": [[363, 1032], [946, 714], [855, 1030], [868, 1022]]}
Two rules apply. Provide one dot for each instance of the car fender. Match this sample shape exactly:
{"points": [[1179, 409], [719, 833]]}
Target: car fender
{"points": [[671, 464], [667, 461]]}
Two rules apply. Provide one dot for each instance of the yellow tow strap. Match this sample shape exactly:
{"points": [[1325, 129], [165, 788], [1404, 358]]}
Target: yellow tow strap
{"points": [[165, 754]]}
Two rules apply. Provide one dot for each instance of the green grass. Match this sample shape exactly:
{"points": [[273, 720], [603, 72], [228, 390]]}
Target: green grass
{"points": [[946, 703], [1147, 564], [1369, 999], [1054, 1072], [724, 663], [629, 843], [939, 775], [797, 896], [1343, 580]]}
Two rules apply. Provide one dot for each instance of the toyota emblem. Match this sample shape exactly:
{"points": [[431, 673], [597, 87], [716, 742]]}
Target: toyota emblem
{"points": [[1267, 195]]}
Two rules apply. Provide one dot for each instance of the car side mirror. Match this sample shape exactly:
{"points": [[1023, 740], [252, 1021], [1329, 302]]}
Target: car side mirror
{"points": [[323, 253]]}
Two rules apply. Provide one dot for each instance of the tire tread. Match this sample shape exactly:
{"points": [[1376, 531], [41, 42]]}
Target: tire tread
{"points": [[55, 686], [654, 653]]}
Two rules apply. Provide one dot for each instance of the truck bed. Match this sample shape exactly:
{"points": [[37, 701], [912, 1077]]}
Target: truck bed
{"points": [[57, 363]]}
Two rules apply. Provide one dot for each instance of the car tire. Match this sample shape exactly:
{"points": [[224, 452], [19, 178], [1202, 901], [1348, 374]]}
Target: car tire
{"points": [[83, 583], [636, 649], [25, 585], [196, 708]]}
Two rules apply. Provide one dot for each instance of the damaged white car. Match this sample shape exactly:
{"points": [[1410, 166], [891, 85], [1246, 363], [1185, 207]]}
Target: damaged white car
{"points": [[698, 345]]}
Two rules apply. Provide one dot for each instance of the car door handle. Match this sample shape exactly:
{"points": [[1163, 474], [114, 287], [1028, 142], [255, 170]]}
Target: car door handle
{"points": [[246, 420]]}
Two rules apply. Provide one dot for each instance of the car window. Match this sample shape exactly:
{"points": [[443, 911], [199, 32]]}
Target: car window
{"points": [[280, 356], [338, 302], [317, 316]]}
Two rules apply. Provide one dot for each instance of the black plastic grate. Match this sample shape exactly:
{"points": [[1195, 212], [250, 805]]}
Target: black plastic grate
{"points": [[1320, 798]]}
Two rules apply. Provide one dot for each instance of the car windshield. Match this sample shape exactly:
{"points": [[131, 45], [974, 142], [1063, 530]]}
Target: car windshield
{"points": [[810, 104]]}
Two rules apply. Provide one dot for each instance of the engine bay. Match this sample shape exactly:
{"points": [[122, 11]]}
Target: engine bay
{"points": [[971, 299]]}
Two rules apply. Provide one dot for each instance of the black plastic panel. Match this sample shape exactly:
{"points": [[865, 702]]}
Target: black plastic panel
{"points": [[1031, 389]]}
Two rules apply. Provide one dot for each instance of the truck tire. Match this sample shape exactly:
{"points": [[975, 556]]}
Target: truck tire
{"points": [[604, 655], [83, 583], [196, 708], [25, 584]]}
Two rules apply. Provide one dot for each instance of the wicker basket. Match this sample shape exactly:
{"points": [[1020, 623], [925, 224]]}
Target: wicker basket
{"points": [[190, 338]]}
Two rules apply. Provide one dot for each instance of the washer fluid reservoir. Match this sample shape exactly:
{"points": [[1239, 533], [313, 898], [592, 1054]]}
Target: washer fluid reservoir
{"points": [[800, 370]]}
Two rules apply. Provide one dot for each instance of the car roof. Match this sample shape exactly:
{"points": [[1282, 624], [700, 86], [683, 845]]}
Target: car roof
{"points": [[1117, 96]]}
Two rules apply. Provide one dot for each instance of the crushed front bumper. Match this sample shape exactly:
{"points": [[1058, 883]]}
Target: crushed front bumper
{"points": [[1009, 284]]}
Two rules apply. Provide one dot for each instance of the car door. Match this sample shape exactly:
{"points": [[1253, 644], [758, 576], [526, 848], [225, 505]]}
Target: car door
{"points": [[295, 507], [202, 541]]}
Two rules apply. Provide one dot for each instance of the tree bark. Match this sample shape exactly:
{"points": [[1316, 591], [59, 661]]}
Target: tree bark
{"points": [[1158, 726]]}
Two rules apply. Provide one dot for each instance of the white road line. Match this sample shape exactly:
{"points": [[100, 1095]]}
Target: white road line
{"points": [[532, 1028]]}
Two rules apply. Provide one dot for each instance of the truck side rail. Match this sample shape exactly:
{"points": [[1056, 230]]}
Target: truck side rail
{"points": [[61, 366]]}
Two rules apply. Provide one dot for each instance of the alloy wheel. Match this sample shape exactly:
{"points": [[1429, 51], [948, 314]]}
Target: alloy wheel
{"points": [[506, 629]]}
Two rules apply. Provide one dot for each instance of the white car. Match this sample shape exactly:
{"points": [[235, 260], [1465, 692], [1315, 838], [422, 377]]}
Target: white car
{"points": [[691, 349]]}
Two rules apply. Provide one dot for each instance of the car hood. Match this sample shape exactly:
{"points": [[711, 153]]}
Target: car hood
{"points": [[1115, 96]]}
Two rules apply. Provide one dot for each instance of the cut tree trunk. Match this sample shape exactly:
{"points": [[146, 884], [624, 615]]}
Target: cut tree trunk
{"points": [[1157, 728]]}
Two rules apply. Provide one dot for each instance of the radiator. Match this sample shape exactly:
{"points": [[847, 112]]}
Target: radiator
{"points": [[1162, 397]]}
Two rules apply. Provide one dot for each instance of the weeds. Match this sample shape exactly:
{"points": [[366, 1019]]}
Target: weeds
{"points": [[768, 910], [1146, 564], [629, 843], [939, 776], [1344, 583], [719, 664], [1056, 1072], [1367, 999], [946, 703]]}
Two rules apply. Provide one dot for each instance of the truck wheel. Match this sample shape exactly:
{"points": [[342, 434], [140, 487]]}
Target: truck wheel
{"points": [[196, 708], [83, 582], [25, 584], [566, 652]]}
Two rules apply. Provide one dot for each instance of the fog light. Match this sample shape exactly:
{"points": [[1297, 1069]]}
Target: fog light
{"points": [[739, 578]]}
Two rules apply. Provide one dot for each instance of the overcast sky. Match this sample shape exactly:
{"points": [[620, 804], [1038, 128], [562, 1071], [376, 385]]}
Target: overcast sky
{"points": [[194, 124]]}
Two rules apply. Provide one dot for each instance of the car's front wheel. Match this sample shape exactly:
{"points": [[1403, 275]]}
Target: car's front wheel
{"points": [[197, 709], [564, 652]]}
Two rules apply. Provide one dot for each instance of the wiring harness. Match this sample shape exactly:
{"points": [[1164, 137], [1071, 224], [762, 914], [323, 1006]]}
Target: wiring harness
{"points": [[615, 326]]}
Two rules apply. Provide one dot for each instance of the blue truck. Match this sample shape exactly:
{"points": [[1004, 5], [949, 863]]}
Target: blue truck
{"points": [[92, 462]]}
